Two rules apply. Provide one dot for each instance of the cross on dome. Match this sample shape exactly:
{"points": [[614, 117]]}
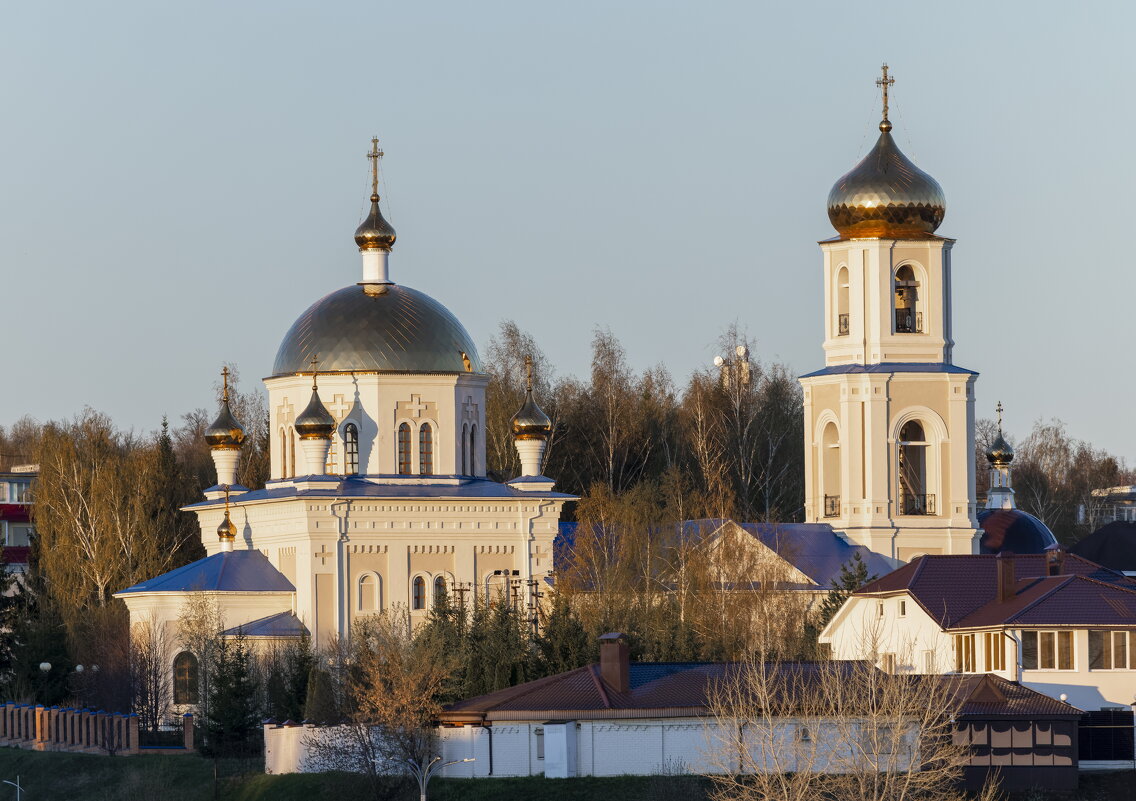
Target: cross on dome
{"points": [[885, 82], [374, 156]]}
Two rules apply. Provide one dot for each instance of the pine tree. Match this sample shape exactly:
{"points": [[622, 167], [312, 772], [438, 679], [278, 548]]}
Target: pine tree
{"points": [[232, 724], [564, 643], [320, 706], [853, 576]]}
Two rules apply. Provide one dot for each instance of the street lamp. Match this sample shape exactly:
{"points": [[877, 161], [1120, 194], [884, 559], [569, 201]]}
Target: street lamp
{"points": [[423, 773], [19, 789]]}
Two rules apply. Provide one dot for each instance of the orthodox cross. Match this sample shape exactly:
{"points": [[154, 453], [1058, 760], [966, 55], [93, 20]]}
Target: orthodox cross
{"points": [[998, 409], [284, 410], [416, 405], [885, 82], [469, 408], [339, 406], [324, 554], [314, 363], [528, 373], [225, 384], [374, 156]]}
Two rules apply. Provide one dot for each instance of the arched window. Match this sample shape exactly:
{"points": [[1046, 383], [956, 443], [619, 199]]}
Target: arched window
{"points": [[842, 320], [473, 450], [185, 678], [908, 306], [426, 450], [439, 588], [283, 453], [418, 593], [465, 451], [913, 496], [369, 598], [351, 449], [404, 449], [830, 469], [291, 452]]}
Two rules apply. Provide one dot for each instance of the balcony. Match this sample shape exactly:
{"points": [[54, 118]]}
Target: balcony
{"points": [[832, 506], [917, 504], [908, 321], [842, 325]]}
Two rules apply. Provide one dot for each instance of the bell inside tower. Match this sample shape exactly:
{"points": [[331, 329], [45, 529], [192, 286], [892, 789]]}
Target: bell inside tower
{"points": [[908, 315]]}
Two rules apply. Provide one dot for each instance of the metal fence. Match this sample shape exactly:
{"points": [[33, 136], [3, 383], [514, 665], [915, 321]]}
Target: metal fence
{"points": [[169, 734]]}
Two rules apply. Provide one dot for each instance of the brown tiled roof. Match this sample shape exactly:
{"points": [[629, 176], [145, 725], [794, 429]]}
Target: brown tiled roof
{"points": [[682, 689], [1059, 601], [953, 588]]}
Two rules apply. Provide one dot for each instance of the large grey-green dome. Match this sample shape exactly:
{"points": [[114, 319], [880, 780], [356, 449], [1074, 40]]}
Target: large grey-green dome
{"points": [[389, 328]]}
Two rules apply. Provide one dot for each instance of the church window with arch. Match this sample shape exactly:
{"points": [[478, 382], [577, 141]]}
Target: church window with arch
{"points": [[283, 453], [439, 589], [830, 469], [908, 302], [418, 593], [404, 449], [473, 450], [185, 678], [370, 599], [913, 462], [465, 451], [843, 324], [351, 449], [291, 452], [426, 450]]}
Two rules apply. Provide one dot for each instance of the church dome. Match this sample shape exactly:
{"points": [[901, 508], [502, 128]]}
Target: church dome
{"points": [[226, 432], [1000, 453], [315, 422], [886, 196], [395, 329], [1013, 530], [531, 422], [375, 233]]}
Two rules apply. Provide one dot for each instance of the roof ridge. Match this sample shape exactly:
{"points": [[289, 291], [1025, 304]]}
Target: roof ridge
{"points": [[521, 690], [1111, 585]]}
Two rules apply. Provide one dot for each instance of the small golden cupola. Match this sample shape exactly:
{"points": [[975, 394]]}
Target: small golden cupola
{"points": [[886, 196], [225, 437], [315, 422], [227, 532], [1000, 454], [375, 233], [531, 422]]}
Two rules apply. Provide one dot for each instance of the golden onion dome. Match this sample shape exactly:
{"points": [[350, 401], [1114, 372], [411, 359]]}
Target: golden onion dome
{"points": [[225, 433], [531, 422], [226, 531], [375, 233], [886, 196], [1000, 454], [315, 422]]}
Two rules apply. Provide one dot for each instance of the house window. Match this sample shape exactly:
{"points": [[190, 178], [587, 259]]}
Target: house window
{"points": [[185, 678], [929, 662], [804, 735], [351, 449], [887, 663], [994, 649], [404, 449], [1111, 650], [903, 608], [439, 589], [418, 595], [1047, 650], [879, 608], [426, 450], [964, 653], [368, 593]]}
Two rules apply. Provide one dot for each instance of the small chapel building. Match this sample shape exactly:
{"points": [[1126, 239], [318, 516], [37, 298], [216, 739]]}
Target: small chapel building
{"points": [[378, 495]]}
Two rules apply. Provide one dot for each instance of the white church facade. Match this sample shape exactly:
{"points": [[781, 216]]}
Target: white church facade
{"points": [[378, 495]]}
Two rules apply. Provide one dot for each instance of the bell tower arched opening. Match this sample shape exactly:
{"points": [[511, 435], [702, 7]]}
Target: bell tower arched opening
{"points": [[914, 496], [830, 470], [843, 323], [908, 302]]}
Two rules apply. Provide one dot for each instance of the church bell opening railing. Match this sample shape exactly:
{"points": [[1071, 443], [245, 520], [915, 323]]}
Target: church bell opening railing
{"points": [[908, 321], [832, 506], [842, 325], [911, 504]]}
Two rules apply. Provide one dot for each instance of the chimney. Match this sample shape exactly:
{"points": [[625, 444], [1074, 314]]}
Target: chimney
{"points": [[1054, 560], [1005, 576], [615, 662]]}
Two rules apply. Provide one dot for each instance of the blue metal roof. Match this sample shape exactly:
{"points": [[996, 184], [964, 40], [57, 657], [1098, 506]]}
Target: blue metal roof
{"points": [[356, 487], [890, 367], [228, 571], [282, 624]]}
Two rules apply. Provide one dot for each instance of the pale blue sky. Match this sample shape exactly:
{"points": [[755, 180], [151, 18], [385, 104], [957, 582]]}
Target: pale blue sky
{"points": [[180, 181]]}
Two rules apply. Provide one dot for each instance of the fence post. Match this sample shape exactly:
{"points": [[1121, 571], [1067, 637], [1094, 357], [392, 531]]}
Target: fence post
{"points": [[187, 730], [132, 734], [40, 719]]}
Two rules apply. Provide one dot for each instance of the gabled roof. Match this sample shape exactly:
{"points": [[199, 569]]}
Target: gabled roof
{"points": [[283, 624], [227, 571], [961, 591], [683, 689], [1112, 545]]}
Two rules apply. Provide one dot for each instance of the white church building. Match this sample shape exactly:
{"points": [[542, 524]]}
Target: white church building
{"points": [[378, 495]]}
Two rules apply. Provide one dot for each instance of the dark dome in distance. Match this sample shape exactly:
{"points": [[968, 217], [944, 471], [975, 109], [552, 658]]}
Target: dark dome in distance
{"points": [[1112, 545], [395, 329], [1013, 530]]}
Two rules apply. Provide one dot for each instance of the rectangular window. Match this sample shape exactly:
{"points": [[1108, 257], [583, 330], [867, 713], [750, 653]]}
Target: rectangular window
{"points": [[903, 608], [1109, 650], [887, 663], [929, 662], [964, 653], [880, 609], [3, 492], [995, 651], [1047, 650]]}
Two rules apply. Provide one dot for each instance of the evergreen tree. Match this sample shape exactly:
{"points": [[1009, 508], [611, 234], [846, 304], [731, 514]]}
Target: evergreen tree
{"points": [[232, 724], [853, 576], [320, 706], [286, 684], [564, 643]]}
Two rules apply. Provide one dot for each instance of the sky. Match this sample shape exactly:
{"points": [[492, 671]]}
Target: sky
{"points": [[178, 182]]}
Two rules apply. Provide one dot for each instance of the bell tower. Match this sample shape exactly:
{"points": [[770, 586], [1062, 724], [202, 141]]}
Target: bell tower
{"points": [[889, 421]]}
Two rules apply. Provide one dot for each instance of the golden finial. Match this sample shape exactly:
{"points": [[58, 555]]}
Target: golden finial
{"points": [[374, 156], [528, 373], [315, 367], [225, 384], [885, 82]]}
